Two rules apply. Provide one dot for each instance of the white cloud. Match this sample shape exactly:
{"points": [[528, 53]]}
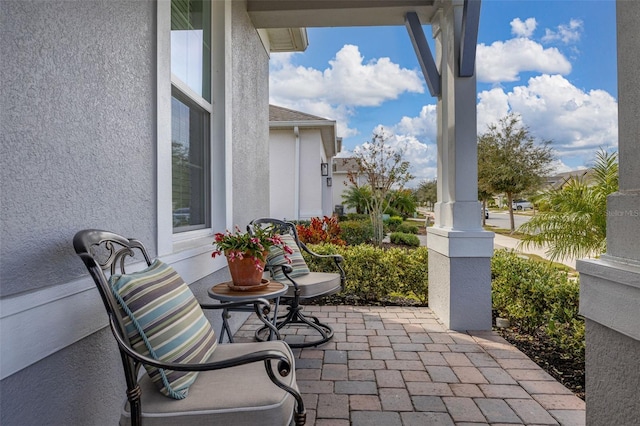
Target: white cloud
{"points": [[577, 122], [558, 166], [523, 29], [421, 156], [424, 126], [347, 83], [566, 33], [504, 61]]}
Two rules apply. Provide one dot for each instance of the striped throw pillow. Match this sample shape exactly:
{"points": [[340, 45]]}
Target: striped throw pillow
{"points": [[276, 256], [165, 322]]}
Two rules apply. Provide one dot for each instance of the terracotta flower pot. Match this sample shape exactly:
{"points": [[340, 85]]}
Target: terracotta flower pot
{"points": [[244, 272]]}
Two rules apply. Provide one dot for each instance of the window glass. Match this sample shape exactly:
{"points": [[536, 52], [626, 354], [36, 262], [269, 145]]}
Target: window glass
{"points": [[191, 44], [190, 114], [190, 164]]}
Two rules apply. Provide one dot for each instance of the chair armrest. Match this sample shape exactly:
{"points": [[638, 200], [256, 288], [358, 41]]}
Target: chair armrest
{"points": [[337, 257], [284, 365]]}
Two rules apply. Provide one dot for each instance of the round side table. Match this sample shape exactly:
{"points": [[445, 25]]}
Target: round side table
{"points": [[224, 293]]}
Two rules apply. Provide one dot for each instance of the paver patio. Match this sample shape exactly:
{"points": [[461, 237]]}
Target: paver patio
{"points": [[400, 366]]}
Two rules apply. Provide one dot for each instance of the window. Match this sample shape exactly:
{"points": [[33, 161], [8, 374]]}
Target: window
{"points": [[191, 114]]}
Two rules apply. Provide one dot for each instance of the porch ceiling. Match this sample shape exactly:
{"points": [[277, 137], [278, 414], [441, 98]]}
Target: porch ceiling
{"points": [[333, 13]]}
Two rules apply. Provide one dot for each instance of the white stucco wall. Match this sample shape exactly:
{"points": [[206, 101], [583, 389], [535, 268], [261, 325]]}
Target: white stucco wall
{"points": [[282, 174], [310, 176], [298, 191], [340, 185]]}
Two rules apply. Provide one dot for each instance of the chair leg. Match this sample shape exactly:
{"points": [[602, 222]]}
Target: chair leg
{"points": [[135, 409], [295, 316]]}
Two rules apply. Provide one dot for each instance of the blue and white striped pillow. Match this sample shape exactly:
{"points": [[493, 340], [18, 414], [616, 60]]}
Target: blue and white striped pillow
{"points": [[277, 256], [164, 321]]}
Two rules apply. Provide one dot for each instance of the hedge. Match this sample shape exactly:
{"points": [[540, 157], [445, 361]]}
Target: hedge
{"points": [[539, 299], [377, 274], [404, 239]]}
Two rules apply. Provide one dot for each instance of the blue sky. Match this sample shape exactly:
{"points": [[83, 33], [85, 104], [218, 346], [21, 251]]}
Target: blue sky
{"points": [[551, 62]]}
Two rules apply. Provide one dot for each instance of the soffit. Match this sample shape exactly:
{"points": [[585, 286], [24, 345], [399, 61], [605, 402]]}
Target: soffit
{"points": [[287, 39], [334, 13]]}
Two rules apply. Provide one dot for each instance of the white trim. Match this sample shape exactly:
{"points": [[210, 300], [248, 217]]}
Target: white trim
{"points": [[228, 113], [302, 123], [163, 126], [296, 173], [191, 94], [264, 38], [610, 293], [48, 320], [452, 243]]}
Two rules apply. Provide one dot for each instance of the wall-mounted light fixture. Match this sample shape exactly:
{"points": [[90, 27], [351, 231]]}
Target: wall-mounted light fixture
{"points": [[324, 169], [329, 181]]}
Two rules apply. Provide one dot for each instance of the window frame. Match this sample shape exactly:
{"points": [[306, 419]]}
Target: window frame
{"points": [[219, 198]]}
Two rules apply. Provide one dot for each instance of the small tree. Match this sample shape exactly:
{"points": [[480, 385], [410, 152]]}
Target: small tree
{"points": [[575, 224], [384, 170], [357, 198], [427, 192], [403, 202], [509, 160]]}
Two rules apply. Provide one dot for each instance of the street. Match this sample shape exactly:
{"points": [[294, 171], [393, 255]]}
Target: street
{"points": [[501, 219]]}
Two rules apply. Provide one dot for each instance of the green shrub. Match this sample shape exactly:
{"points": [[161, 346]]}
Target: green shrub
{"points": [[405, 239], [393, 222], [407, 228], [356, 216], [355, 232], [538, 298], [565, 326], [376, 274]]}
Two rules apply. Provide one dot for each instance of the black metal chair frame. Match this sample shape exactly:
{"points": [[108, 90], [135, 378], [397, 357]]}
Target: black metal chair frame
{"points": [[115, 250], [294, 313]]}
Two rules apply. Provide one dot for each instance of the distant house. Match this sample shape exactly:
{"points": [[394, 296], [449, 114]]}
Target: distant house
{"points": [[301, 147], [559, 181], [341, 168]]}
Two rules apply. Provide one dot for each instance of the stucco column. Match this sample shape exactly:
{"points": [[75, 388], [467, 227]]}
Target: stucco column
{"points": [[610, 286], [459, 249]]}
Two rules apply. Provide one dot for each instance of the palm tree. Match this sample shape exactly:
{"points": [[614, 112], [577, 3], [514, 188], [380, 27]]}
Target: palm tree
{"points": [[357, 198], [403, 202], [575, 224]]}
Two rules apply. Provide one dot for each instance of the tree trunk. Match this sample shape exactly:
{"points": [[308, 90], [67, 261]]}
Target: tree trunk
{"points": [[510, 206]]}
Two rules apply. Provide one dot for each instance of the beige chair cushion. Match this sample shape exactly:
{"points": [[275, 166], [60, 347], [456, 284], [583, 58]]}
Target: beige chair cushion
{"points": [[314, 284], [242, 395]]}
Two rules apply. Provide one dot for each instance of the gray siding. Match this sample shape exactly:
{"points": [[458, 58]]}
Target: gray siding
{"points": [[250, 94], [613, 376], [78, 151], [78, 132]]}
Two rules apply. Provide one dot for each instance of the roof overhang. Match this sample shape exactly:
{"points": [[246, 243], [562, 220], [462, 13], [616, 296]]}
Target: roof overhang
{"points": [[327, 130], [287, 39], [336, 13]]}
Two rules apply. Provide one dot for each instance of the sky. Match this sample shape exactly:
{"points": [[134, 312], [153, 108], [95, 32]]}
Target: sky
{"points": [[552, 62]]}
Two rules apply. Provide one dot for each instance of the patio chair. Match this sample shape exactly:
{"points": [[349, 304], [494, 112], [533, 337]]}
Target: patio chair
{"points": [[303, 284], [190, 379]]}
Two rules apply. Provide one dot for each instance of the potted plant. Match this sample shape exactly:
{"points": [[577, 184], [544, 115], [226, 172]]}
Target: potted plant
{"points": [[247, 254]]}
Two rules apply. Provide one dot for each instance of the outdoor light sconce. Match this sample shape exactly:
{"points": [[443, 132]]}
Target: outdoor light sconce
{"points": [[329, 181], [324, 168]]}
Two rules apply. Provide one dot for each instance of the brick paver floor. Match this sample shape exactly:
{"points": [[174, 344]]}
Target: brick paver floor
{"points": [[401, 366]]}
